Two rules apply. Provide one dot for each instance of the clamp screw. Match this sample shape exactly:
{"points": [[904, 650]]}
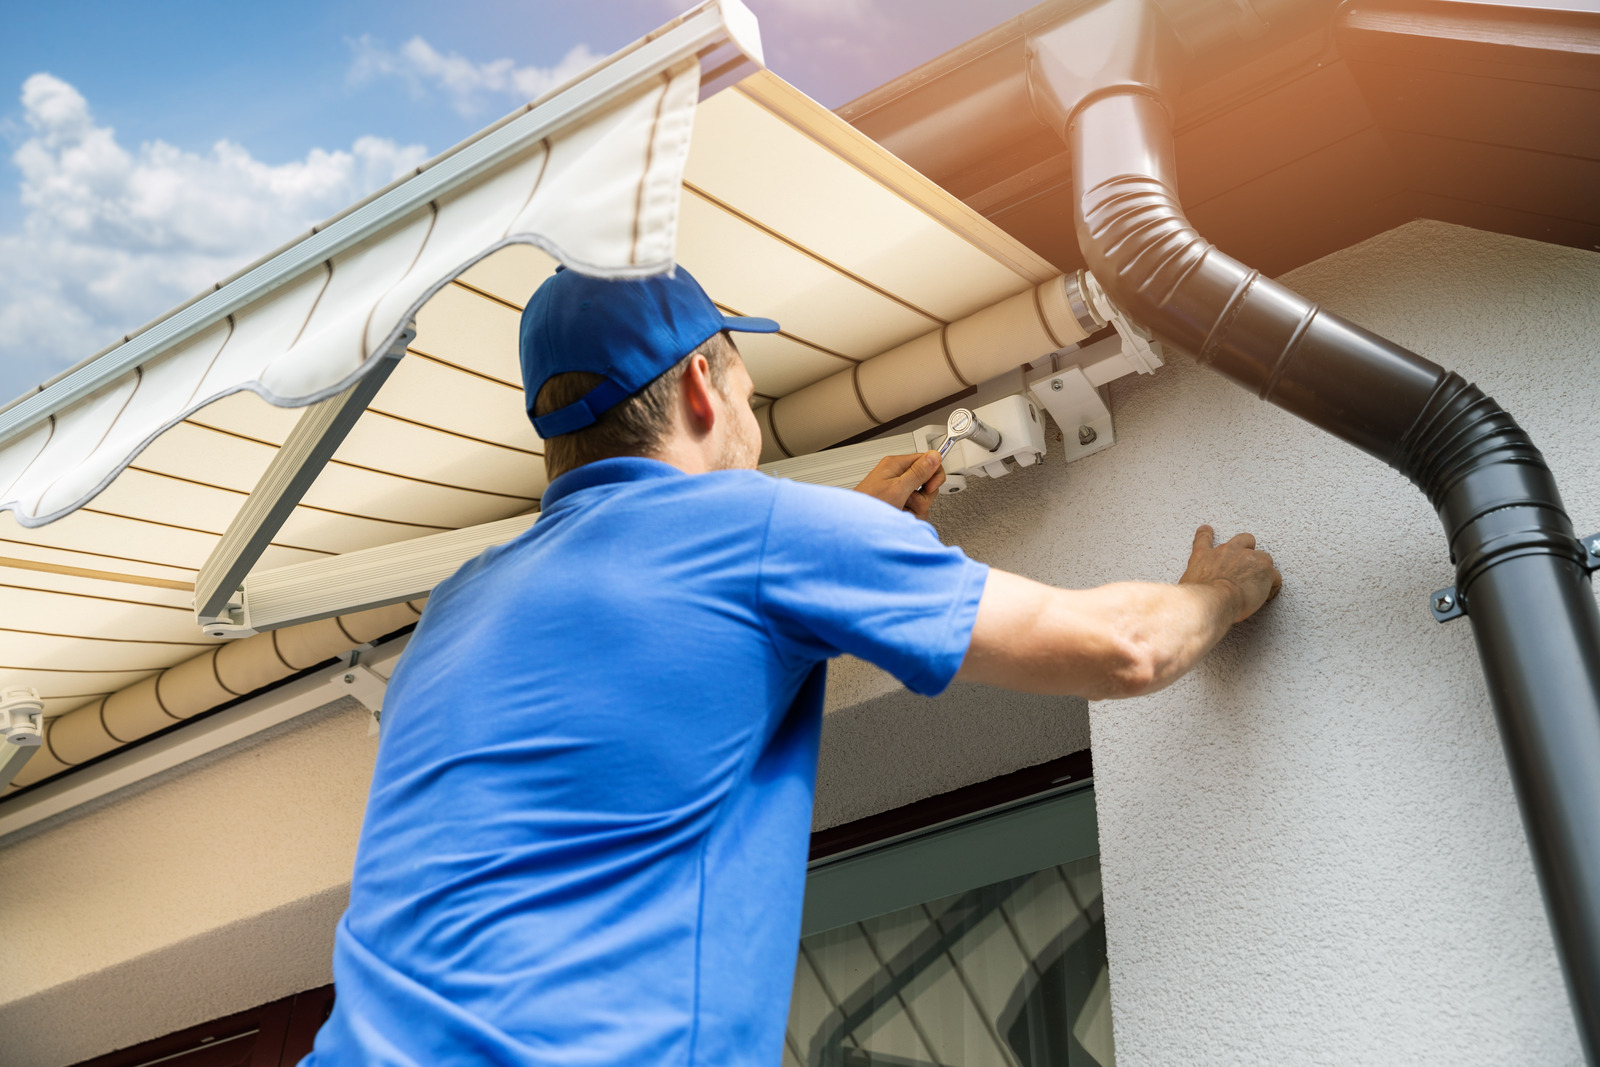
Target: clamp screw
{"points": [[1086, 435], [1057, 384], [1444, 602]]}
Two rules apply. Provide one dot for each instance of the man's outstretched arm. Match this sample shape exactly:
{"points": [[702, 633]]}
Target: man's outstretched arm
{"points": [[1119, 640]]}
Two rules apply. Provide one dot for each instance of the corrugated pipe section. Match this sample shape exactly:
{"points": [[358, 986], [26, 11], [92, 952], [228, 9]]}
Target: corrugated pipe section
{"points": [[1520, 571], [216, 676], [924, 371]]}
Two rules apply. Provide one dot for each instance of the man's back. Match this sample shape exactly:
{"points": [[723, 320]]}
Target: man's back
{"points": [[586, 836]]}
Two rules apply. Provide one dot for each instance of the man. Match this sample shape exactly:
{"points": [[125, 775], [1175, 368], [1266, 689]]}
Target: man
{"points": [[586, 837]]}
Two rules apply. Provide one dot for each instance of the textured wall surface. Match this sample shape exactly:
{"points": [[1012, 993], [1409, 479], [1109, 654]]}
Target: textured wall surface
{"points": [[1310, 846], [211, 890]]}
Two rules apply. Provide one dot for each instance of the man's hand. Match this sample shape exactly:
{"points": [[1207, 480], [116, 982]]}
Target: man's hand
{"points": [[1119, 640], [1237, 566], [908, 482]]}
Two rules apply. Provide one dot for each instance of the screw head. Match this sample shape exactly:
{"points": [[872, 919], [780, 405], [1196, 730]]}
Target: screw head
{"points": [[1444, 602], [1057, 384], [1086, 435], [1594, 547], [349, 679]]}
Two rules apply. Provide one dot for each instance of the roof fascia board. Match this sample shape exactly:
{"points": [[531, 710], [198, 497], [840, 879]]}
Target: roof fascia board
{"points": [[708, 27]]}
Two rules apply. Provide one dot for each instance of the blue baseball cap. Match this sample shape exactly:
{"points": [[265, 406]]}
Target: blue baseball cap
{"points": [[629, 330]]}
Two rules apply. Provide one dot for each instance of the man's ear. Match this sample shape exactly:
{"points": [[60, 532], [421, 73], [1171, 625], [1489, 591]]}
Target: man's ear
{"points": [[700, 410]]}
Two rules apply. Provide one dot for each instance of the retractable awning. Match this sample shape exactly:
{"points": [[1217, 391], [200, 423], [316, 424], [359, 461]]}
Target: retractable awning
{"points": [[777, 206]]}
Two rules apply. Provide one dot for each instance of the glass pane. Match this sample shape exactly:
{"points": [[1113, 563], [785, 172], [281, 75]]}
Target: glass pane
{"points": [[1010, 974]]}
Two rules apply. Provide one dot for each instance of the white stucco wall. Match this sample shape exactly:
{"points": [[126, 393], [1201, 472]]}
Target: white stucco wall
{"points": [[1310, 846], [207, 890]]}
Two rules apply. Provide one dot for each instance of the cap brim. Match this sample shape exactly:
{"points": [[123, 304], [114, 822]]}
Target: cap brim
{"points": [[748, 324]]}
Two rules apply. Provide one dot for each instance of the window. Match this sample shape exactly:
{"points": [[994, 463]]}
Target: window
{"points": [[975, 944]]}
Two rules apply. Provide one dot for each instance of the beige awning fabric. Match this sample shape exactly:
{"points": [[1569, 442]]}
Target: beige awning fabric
{"points": [[600, 196], [782, 210]]}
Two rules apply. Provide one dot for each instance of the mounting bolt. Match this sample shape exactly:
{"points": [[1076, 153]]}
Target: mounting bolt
{"points": [[1444, 602], [1594, 547], [1057, 384], [1086, 435], [349, 679]]}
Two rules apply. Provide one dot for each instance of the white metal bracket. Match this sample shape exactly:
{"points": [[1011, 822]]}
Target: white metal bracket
{"points": [[1022, 443], [21, 716], [1138, 344], [366, 685], [1076, 405]]}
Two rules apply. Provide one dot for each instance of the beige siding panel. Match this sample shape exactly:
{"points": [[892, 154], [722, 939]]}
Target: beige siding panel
{"points": [[208, 455], [250, 416], [142, 495], [512, 273], [109, 536], [73, 585], [58, 614], [772, 171], [396, 499], [746, 269], [434, 394], [780, 365], [463, 328], [321, 531], [135, 571], [402, 447], [48, 652]]}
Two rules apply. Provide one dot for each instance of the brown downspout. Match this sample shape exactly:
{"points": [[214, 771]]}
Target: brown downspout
{"points": [[1102, 79]]}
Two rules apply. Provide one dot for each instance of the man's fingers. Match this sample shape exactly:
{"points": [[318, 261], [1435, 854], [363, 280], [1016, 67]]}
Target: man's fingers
{"points": [[1245, 540], [1204, 537], [931, 487], [920, 469]]}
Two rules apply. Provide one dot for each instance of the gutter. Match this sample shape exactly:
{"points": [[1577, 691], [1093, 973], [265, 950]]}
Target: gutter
{"points": [[1104, 79]]}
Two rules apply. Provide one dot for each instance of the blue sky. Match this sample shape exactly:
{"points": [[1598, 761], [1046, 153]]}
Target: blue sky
{"points": [[150, 148]]}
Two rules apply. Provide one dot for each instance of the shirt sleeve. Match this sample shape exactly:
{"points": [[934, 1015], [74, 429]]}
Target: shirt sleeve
{"points": [[844, 573]]}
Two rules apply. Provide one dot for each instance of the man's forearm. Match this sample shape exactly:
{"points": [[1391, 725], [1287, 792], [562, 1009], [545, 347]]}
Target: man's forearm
{"points": [[1118, 640], [1168, 627]]}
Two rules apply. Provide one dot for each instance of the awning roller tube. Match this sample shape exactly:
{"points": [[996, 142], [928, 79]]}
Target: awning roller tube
{"points": [[925, 370]]}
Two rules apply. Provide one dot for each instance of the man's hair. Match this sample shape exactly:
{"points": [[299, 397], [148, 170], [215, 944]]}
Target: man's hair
{"points": [[637, 426]]}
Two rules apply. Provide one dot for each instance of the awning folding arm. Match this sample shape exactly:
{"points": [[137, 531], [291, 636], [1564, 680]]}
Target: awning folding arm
{"points": [[312, 442]]}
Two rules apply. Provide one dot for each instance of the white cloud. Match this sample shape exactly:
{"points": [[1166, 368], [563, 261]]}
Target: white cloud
{"points": [[112, 237], [469, 84]]}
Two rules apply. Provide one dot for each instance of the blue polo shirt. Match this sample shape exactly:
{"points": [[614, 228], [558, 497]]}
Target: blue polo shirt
{"points": [[586, 837]]}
